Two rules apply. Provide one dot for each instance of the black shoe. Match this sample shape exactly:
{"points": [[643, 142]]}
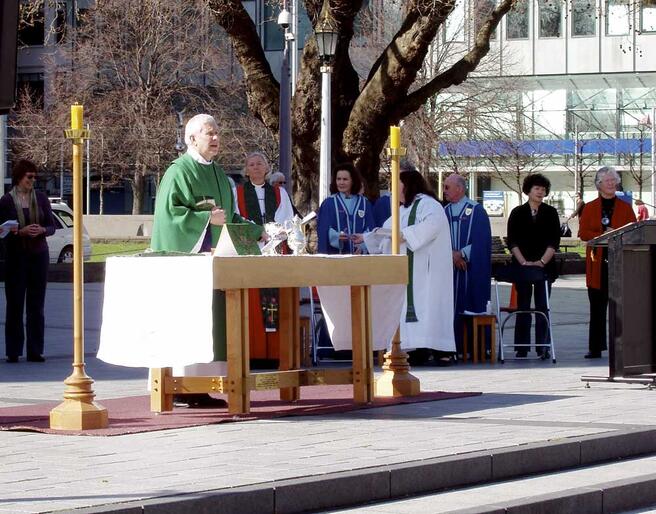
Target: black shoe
{"points": [[545, 355], [35, 358], [12, 360], [198, 401], [592, 355]]}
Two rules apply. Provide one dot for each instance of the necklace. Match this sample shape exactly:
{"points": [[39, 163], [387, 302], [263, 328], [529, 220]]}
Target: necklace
{"points": [[24, 197]]}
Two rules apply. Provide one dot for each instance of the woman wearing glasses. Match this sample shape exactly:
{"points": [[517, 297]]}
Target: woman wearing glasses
{"points": [[26, 262], [607, 212]]}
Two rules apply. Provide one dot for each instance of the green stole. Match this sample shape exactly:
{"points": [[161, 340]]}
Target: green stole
{"points": [[253, 204], [411, 315], [35, 215]]}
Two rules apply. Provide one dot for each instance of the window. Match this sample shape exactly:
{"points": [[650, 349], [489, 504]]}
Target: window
{"points": [[65, 217], [304, 25], [483, 10], [648, 16], [584, 21], [517, 21], [551, 24], [60, 23], [31, 28], [455, 24], [31, 84], [273, 35], [618, 17]]}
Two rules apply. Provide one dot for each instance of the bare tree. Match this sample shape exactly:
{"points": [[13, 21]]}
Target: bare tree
{"points": [[362, 111], [134, 65], [638, 163]]}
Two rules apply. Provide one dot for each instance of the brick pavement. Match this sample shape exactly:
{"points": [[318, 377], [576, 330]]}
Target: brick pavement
{"points": [[523, 403]]}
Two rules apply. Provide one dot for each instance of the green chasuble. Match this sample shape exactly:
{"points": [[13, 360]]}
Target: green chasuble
{"points": [[187, 193]]}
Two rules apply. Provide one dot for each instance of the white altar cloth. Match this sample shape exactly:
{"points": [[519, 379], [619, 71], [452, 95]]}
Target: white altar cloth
{"points": [[386, 305], [157, 311]]}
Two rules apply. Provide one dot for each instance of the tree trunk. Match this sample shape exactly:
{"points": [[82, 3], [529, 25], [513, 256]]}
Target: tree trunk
{"points": [[138, 190], [101, 191]]}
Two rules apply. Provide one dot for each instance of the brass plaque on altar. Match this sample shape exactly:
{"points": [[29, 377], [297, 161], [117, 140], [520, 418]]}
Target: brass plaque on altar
{"points": [[317, 378], [266, 381]]}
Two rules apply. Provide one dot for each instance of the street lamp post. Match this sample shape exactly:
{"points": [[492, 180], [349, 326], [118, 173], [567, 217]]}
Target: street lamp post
{"points": [[326, 35], [285, 122]]}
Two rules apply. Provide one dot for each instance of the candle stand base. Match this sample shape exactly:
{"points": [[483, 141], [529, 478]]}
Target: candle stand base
{"points": [[78, 411], [78, 415], [396, 379]]}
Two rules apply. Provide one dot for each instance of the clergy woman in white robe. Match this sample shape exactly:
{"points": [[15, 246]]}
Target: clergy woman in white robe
{"points": [[427, 315]]}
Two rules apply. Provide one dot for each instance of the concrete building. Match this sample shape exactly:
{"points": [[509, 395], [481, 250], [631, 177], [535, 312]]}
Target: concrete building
{"points": [[583, 76], [580, 76]]}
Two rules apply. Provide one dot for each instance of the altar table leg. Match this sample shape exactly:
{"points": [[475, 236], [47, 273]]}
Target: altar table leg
{"points": [[159, 401], [237, 342], [363, 365], [290, 338]]}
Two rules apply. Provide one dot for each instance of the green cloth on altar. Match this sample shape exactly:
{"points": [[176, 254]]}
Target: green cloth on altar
{"points": [[186, 195], [239, 238]]}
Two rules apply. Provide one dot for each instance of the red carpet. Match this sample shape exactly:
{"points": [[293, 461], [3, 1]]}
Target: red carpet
{"points": [[132, 414]]}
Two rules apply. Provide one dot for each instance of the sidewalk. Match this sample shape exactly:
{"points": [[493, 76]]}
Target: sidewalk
{"points": [[523, 403]]}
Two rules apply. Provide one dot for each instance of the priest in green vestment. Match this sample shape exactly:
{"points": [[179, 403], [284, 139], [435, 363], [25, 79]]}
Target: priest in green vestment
{"points": [[194, 201]]}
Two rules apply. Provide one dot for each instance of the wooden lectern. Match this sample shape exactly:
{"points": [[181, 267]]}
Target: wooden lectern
{"points": [[631, 303]]}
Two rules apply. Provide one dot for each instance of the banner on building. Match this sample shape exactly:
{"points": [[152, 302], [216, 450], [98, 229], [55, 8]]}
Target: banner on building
{"points": [[627, 196], [494, 203]]}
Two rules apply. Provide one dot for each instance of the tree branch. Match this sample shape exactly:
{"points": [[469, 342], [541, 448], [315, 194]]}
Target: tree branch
{"points": [[460, 70], [262, 89]]}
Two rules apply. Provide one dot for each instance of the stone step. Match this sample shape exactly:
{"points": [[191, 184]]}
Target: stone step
{"points": [[604, 488], [475, 470]]}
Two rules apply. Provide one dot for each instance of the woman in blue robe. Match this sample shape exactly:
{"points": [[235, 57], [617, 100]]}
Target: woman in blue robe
{"points": [[344, 213]]}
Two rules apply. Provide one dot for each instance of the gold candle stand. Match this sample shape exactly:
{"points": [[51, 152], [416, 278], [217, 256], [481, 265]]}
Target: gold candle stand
{"points": [[78, 411], [396, 379]]}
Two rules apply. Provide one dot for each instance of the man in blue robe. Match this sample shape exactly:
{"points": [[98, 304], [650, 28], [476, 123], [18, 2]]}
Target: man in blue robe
{"points": [[471, 243]]}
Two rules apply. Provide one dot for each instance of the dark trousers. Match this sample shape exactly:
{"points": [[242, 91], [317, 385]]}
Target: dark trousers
{"points": [[526, 290], [597, 338], [26, 276]]}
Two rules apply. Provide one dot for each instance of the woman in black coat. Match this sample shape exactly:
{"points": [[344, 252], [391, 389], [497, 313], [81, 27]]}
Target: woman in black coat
{"points": [[26, 263], [533, 238]]}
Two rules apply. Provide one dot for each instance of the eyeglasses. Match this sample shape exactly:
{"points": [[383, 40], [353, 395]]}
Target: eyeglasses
{"points": [[282, 183]]}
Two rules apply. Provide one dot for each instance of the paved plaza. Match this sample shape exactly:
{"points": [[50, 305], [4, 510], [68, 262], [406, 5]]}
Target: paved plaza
{"points": [[523, 403]]}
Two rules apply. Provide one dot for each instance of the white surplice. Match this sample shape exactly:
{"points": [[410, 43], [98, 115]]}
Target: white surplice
{"points": [[430, 240]]}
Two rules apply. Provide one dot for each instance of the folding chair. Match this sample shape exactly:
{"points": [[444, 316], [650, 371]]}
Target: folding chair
{"points": [[526, 274]]}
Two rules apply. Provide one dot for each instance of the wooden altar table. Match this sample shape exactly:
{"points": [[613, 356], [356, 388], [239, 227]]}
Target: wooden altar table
{"points": [[236, 275]]}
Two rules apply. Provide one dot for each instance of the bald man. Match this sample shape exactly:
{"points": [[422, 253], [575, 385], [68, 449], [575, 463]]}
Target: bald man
{"points": [[471, 244]]}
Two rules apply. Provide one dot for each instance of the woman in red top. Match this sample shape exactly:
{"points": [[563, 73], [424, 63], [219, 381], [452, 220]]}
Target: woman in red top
{"points": [[607, 212]]}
